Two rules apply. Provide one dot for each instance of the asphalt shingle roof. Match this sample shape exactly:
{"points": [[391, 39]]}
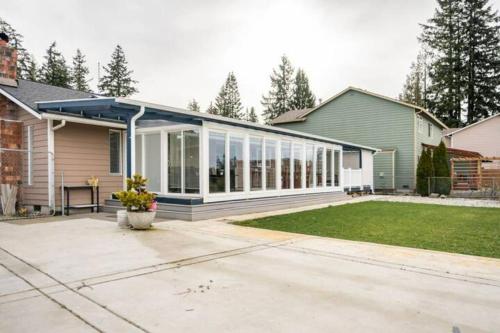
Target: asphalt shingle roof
{"points": [[289, 116], [29, 92]]}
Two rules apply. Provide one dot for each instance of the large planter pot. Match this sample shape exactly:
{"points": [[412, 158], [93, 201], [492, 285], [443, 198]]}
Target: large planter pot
{"points": [[122, 219], [141, 220]]}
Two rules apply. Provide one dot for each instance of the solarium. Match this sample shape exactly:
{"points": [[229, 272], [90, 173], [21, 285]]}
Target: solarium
{"points": [[197, 158]]}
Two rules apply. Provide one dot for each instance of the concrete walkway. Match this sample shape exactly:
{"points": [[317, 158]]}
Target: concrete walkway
{"points": [[86, 275]]}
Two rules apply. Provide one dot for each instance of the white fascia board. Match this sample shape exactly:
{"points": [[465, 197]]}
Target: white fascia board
{"points": [[21, 104], [83, 120]]}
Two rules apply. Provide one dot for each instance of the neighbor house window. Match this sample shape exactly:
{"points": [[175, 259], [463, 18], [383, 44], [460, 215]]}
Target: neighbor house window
{"points": [[255, 164], [270, 165], [236, 175], [429, 130], [216, 162], [328, 167], [420, 123], [309, 165], [115, 152], [297, 166], [319, 166], [285, 165]]}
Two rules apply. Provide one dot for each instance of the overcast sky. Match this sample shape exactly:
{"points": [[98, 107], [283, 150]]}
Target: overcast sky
{"points": [[181, 50]]}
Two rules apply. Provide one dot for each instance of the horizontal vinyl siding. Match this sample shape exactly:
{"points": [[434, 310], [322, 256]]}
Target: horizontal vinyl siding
{"points": [[367, 120], [82, 151], [383, 163], [37, 192], [483, 138]]}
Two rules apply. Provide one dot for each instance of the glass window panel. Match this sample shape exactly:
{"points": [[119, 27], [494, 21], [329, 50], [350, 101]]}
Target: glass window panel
{"points": [[336, 172], [138, 154], [217, 158], [270, 165], [236, 175], [174, 161], [319, 166], [297, 166], [115, 152], [255, 164], [309, 165], [328, 167], [191, 161], [285, 165], [152, 155]]}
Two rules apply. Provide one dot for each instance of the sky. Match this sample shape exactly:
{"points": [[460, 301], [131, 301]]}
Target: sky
{"points": [[180, 50]]}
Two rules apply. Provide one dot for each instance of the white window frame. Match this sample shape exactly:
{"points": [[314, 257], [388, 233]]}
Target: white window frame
{"points": [[430, 130], [120, 152], [420, 122]]}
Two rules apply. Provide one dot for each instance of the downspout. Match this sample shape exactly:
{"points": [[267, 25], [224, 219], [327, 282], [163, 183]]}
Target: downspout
{"points": [[131, 141], [52, 158]]}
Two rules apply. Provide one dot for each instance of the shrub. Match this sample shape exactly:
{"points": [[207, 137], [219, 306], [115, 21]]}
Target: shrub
{"points": [[424, 171], [136, 198], [442, 183]]}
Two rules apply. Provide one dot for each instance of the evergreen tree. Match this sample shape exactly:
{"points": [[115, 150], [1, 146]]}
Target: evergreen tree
{"points": [[54, 70], [251, 115], [279, 98], [424, 172], [228, 102], [443, 35], [79, 72], [16, 40], [481, 49], [440, 160], [117, 80], [194, 106], [212, 109], [415, 87], [32, 72], [302, 97]]}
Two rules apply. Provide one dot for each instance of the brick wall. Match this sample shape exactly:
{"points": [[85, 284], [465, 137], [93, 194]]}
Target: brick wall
{"points": [[8, 62], [11, 162]]}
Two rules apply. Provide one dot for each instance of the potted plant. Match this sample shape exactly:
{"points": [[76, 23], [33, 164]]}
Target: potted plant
{"points": [[140, 204]]}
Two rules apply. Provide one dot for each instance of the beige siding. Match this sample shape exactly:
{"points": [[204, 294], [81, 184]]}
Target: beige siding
{"points": [[82, 151], [483, 138]]}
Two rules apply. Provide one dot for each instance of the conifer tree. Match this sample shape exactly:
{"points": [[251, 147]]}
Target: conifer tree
{"points": [[417, 82], [23, 57], [117, 80], [193, 106], [424, 172], [251, 115], [302, 96], [212, 109], [440, 160], [32, 70], [228, 102], [54, 70], [79, 72], [279, 98], [481, 52]]}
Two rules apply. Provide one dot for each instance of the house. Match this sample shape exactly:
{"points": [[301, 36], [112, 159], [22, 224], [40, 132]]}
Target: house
{"points": [[200, 165], [482, 137], [397, 128]]}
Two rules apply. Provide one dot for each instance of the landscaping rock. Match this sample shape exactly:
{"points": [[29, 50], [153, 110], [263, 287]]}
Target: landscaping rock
{"points": [[434, 195]]}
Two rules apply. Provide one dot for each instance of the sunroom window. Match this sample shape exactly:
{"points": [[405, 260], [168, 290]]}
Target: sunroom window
{"points": [[336, 168], [270, 164], [217, 162], [191, 160], [152, 157], [285, 165], [309, 165], [328, 167], [255, 164], [297, 166], [319, 166], [236, 165]]}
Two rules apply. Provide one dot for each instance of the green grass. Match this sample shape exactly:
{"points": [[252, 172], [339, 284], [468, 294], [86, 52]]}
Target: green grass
{"points": [[466, 230]]}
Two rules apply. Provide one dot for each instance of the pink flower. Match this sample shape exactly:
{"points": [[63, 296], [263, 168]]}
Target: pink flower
{"points": [[154, 206]]}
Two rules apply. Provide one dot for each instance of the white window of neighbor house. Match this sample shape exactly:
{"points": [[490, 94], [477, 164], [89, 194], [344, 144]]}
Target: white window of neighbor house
{"points": [[115, 152], [286, 170], [191, 161], [420, 124], [429, 130], [309, 165], [329, 157], [236, 164], [319, 166]]}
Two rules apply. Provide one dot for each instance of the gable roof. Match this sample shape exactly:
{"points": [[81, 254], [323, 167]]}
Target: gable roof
{"points": [[456, 130], [27, 93], [294, 117]]}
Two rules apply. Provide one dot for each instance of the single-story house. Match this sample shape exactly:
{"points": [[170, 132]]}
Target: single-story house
{"points": [[482, 137], [200, 165], [397, 128]]}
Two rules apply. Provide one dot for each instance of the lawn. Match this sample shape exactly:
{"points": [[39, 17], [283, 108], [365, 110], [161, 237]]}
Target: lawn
{"points": [[466, 230]]}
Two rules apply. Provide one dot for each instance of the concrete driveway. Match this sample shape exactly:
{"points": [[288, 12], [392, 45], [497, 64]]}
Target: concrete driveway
{"points": [[85, 275]]}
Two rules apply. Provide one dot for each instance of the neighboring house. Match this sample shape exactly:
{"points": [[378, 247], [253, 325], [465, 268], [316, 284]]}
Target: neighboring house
{"points": [[399, 129], [482, 137], [200, 165]]}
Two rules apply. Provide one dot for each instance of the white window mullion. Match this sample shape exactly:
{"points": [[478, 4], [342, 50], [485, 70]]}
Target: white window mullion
{"points": [[263, 166], [246, 164], [315, 163], [226, 163], [182, 163], [278, 165]]}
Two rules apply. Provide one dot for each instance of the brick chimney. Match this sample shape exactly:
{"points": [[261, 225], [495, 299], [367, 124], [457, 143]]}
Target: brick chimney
{"points": [[8, 62]]}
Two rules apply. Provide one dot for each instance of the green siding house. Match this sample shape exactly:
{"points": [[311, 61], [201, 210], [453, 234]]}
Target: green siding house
{"points": [[399, 129]]}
